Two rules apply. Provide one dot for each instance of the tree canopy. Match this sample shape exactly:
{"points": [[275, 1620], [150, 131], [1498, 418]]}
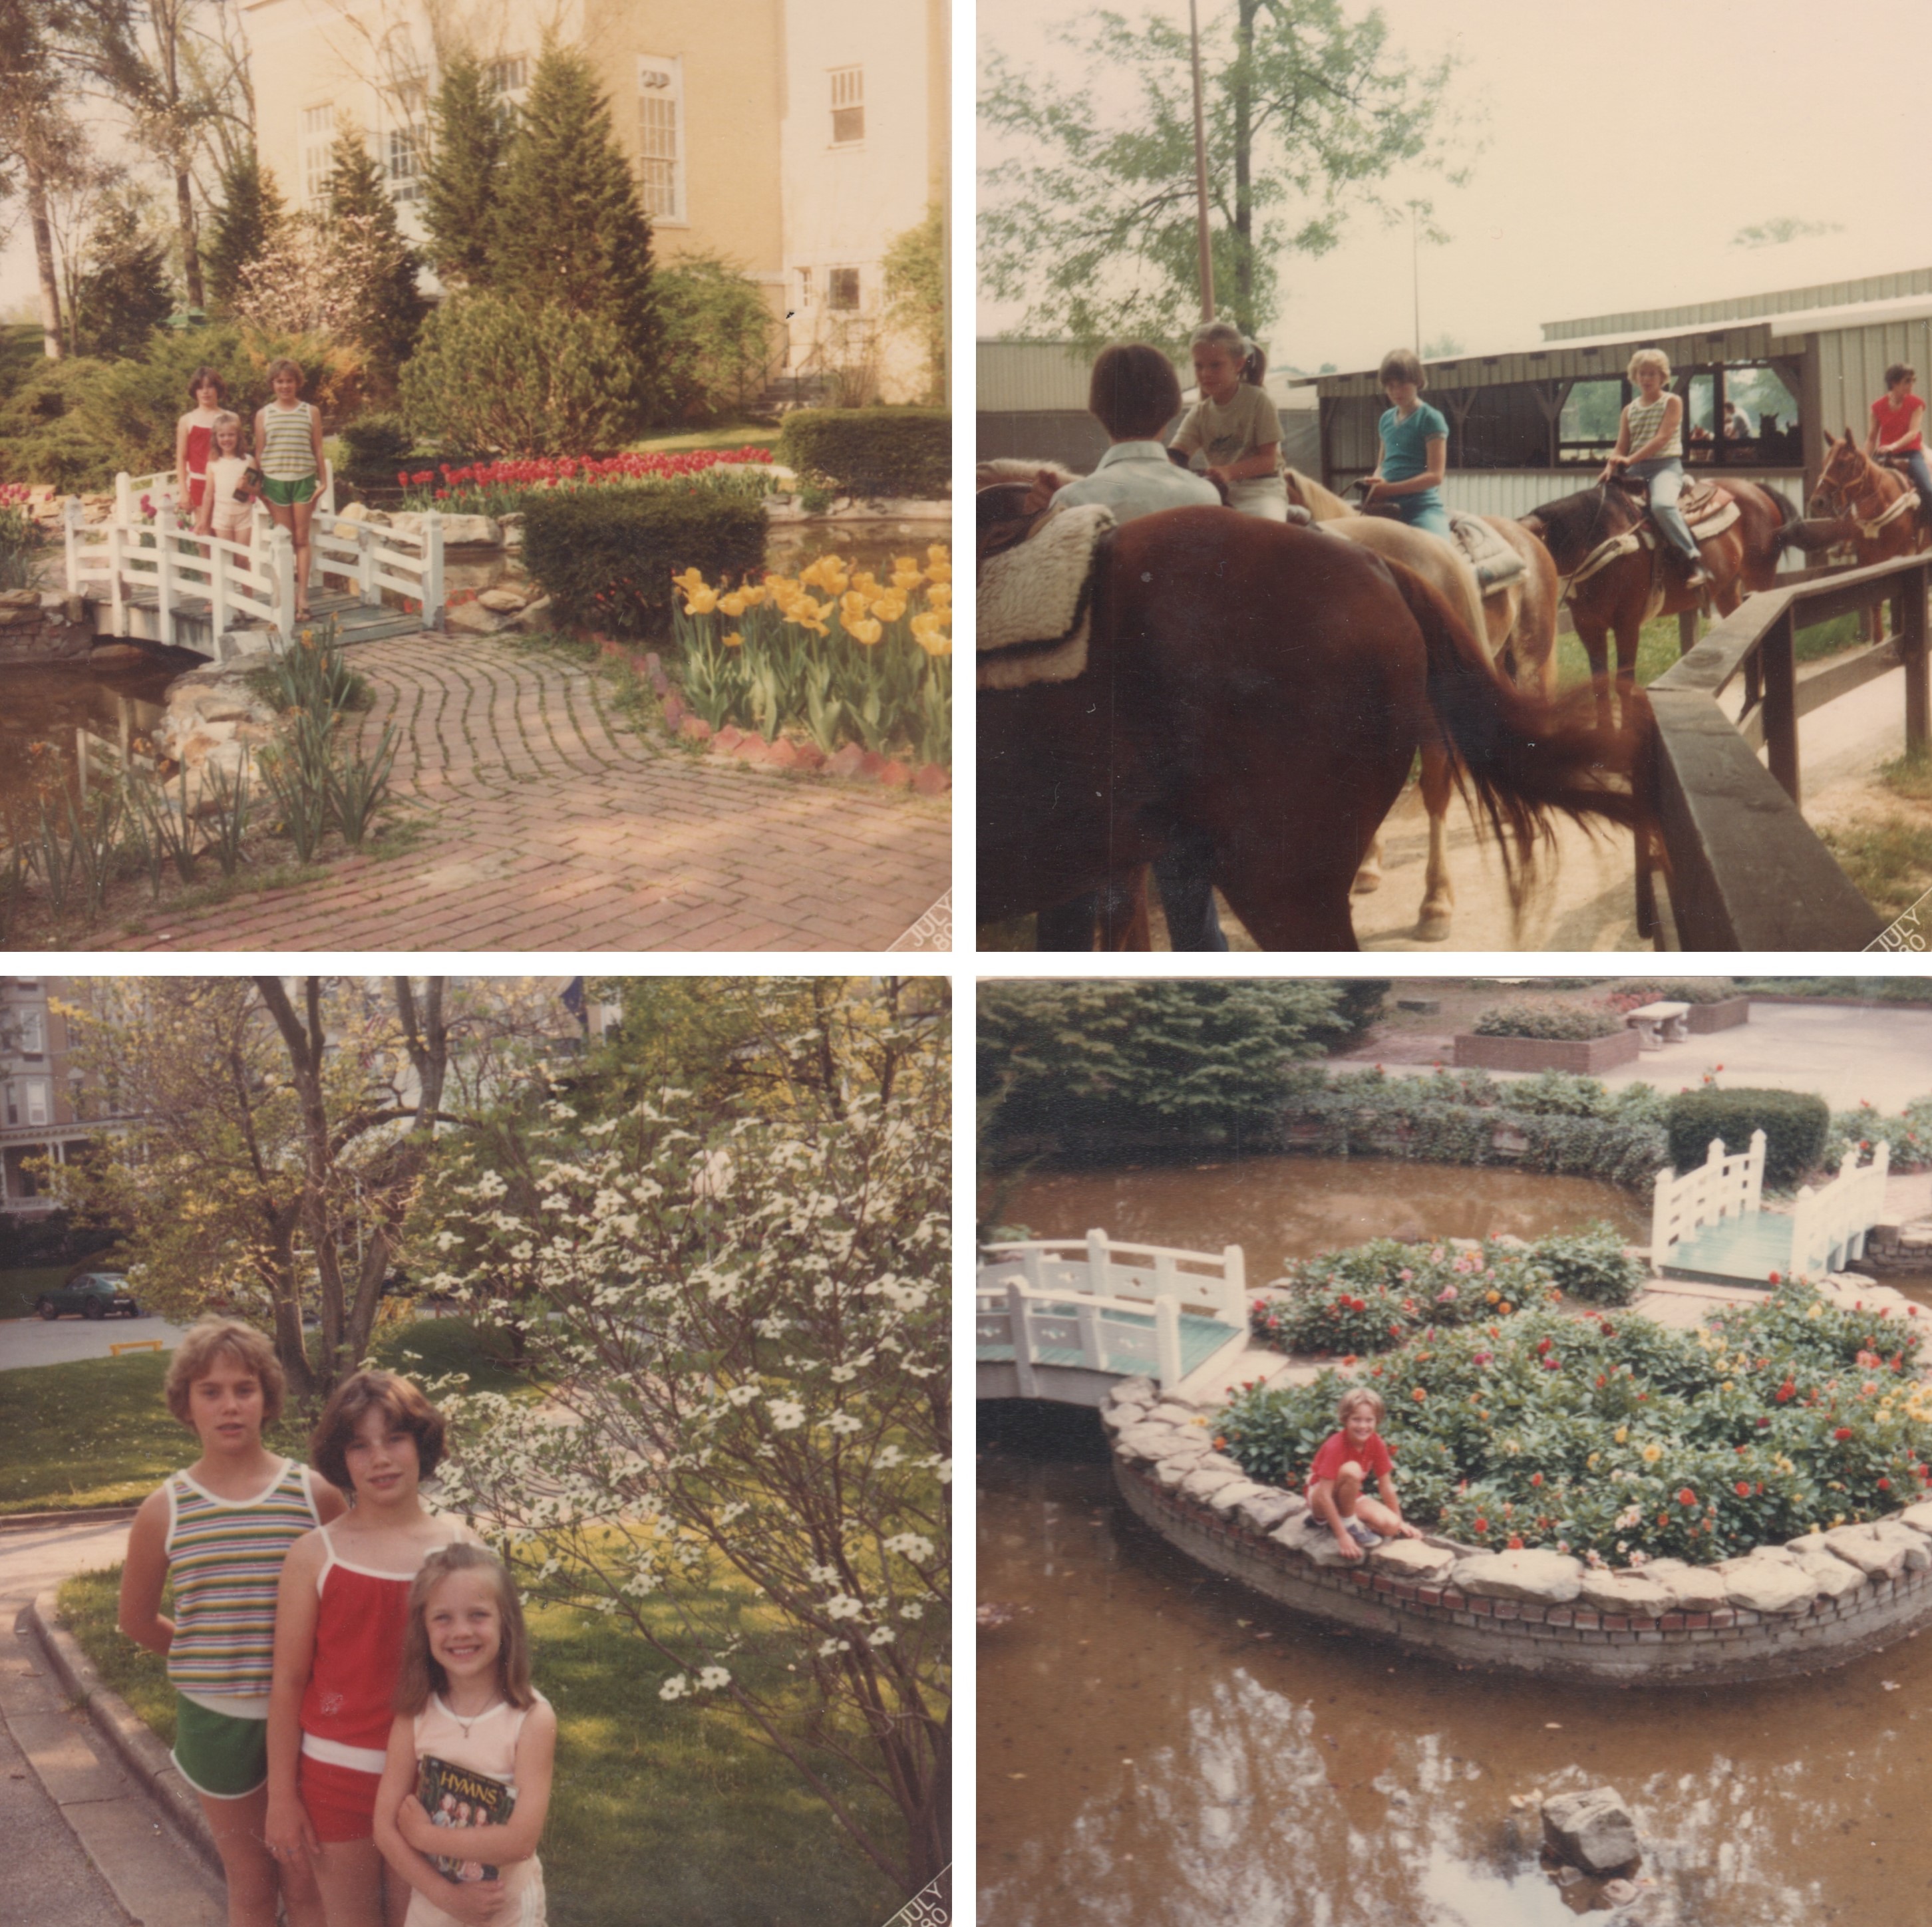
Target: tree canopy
{"points": [[1308, 113]]}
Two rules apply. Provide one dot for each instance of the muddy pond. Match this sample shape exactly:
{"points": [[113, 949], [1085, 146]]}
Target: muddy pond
{"points": [[1159, 1747]]}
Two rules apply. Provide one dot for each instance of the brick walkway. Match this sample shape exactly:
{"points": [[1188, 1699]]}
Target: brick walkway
{"points": [[552, 824]]}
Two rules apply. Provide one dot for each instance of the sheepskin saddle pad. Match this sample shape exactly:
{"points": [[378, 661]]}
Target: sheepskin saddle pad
{"points": [[1034, 602], [1496, 564]]}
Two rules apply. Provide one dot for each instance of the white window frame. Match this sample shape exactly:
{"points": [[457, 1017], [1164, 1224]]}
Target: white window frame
{"points": [[405, 161], [33, 1033], [661, 79], [846, 87], [39, 1108], [318, 139], [508, 78]]}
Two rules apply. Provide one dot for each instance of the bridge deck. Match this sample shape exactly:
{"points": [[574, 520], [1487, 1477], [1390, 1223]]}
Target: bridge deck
{"points": [[1201, 1338], [1738, 1250]]}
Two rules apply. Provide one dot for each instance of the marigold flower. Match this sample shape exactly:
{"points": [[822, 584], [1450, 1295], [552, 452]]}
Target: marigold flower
{"points": [[1742, 1488], [1482, 1525], [1842, 1434]]}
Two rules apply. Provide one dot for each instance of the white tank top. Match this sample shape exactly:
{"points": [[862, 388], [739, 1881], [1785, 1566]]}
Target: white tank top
{"points": [[486, 1744]]}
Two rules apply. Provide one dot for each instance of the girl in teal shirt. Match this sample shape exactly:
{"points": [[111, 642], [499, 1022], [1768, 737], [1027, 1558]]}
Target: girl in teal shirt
{"points": [[1415, 449]]}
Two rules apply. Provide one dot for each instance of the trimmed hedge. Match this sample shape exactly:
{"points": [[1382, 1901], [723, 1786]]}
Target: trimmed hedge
{"points": [[605, 557], [1675, 990], [1563, 1023], [1794, 1124], [870, 451]]}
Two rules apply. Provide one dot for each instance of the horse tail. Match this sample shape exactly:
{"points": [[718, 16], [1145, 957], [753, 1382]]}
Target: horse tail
{"points": [[1815, 533], [1788, 510], [1526, 757]]}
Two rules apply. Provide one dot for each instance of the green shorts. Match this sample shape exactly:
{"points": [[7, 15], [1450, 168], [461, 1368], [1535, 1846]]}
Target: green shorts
{"points": [[218, 1754], [287, 494]]}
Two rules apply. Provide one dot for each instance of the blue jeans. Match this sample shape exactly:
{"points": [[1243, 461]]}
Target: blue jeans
{"points": [[1425, 511], [1665, 474], [1921, 478]]}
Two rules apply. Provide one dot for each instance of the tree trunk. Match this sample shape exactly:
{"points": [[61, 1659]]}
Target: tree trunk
{"points": [[44, 259], [191, 237], [1244, 141]]}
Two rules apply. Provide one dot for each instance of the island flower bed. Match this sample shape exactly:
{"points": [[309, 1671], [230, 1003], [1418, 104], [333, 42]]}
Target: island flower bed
{"points": [[833, 655], [1619, 1442], [501, 488]]}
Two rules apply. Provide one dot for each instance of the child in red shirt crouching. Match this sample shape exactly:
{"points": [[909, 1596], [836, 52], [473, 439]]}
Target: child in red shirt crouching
{"points": [[1346, 1462]]}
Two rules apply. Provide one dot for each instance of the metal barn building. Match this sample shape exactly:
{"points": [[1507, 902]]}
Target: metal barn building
{"points": [[1525, 426]]}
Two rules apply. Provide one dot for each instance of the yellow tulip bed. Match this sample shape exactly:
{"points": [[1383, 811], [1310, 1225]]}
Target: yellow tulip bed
{"points": [[833, 654]]}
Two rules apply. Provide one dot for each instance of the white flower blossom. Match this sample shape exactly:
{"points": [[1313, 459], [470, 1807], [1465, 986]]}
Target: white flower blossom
{"points": [[881, 1635], [742, 1395], [910, 1545], [675, 1688], [843, 1606], [912, 1610], [711, 1678], [844, 1422], [826, 1647], [787, 1415]]}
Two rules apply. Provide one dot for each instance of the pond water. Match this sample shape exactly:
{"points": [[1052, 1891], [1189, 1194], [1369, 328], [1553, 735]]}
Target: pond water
{"points": [[1159, 1747]]}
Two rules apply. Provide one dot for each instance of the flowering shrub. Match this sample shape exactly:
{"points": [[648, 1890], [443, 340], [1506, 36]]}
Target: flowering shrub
{"points": [[1547, 1020], [1620, 1440], [1910, 1136], [500, 488], [832, 651], [1590, 1264], [16, 536], [1571, 1124]]}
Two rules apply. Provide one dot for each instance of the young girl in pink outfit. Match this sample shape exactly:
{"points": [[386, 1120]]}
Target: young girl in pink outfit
{"points": [[340, 1618], [465, 1701]]}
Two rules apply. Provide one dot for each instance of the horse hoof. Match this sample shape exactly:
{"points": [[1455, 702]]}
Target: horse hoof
{"points": [[1433, 930], [1365, 881]]}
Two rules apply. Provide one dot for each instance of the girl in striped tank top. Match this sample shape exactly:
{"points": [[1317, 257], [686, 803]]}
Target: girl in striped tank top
{"points": [[288, 450], [221, 1530], [339, 1626], [1650, 449]]}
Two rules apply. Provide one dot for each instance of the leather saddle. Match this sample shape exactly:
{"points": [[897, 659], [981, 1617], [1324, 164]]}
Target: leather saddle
{"points": [[1703, 500]]}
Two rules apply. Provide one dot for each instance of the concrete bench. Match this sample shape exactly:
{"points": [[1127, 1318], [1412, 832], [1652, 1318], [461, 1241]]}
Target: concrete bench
{"points": [[1658, 1024]]}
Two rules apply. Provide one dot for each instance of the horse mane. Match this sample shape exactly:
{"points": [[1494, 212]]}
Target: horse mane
{"points": [[1324, 504], [1013, 469]]}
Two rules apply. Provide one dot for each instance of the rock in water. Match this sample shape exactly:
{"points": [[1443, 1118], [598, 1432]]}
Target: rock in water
{"points": [[1591, 1830]]}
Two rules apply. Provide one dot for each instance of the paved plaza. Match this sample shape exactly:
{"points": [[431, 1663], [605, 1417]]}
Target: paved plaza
{"points": [[551, 822]]}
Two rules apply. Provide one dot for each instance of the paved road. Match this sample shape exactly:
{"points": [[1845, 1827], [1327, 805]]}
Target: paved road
{"points": [[553, 824], [85, 1848], [25, 1341]]}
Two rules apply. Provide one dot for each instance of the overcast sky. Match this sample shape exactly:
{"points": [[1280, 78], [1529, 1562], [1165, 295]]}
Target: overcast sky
{"points": [[1626, 145]]}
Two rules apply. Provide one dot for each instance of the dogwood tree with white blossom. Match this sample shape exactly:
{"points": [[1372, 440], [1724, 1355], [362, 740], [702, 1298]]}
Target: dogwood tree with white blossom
{"points": [[740, 1321]]}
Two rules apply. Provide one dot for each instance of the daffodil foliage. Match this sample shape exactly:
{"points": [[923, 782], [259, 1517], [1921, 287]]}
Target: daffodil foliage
{"points": [[737, 1312], [1617, 1440]]}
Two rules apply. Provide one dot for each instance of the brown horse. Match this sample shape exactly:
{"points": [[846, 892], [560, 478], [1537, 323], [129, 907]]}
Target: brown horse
{"points": [[1620, 595], [1863, 498], [1268, 687]]}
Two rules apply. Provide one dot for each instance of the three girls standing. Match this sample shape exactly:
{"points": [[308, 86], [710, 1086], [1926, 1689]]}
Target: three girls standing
{"points": [[294, 1612]]}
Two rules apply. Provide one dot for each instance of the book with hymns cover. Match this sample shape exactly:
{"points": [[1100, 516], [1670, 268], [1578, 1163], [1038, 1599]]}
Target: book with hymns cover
{"points": [[455, 1796]]}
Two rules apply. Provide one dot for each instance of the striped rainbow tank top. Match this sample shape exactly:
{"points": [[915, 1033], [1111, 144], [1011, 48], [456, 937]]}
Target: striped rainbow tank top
{"points": [[225, 1557], [1646, 418], [287, 453]]}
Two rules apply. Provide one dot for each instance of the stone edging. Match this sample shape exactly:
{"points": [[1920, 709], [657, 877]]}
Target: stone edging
{"points": [[1584, 1056], [1818, 1602], [138, 1749]]}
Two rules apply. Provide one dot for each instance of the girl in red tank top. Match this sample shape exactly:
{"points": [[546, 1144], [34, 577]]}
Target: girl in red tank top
{"points": [[339, 1619], [193, 438]]}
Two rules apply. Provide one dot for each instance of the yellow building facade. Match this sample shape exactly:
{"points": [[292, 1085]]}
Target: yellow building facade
{"points": [[794, 138]]}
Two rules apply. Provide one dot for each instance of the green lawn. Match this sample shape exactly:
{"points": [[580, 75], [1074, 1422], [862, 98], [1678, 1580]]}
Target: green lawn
{"points": [[732, 435], [18, 1289], [97, 1432], [664, 1815], [1657, 649]]}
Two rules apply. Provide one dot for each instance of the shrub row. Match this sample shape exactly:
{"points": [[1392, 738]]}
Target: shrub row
{"points": [[1560, 1021], [605, 557], [870, 451], [1621, 1440]]}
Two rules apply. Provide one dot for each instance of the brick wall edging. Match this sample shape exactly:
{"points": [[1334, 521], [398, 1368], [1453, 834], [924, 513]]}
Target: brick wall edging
{"points": [[1725, 1646]]}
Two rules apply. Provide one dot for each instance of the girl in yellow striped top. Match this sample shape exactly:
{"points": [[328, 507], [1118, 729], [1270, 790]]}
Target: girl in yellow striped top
{"points": [[288, 449], [221, 1530]]}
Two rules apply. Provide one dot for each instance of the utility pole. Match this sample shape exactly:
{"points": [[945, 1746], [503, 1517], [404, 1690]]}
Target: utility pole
{"points": [[1201, 174]]}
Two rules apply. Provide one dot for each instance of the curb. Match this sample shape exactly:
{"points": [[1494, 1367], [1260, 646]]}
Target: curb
{"points": [[139, 1751], [92, 1515]]}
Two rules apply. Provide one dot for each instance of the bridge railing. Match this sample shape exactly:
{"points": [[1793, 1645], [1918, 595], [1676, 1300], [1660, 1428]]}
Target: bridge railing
{"points": [[1724, 1185], [1095, 1334], [241, 582], [1746, 871], [1828, 1226], [368, 557], [1215, 1282]]}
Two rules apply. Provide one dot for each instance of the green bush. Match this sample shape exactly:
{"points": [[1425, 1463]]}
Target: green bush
{"points": [[522, 379], [605, 557], [1590, 1264], [870, 451], [1674, 990], [1621, 1440], [1857, 990], [1794, 1124], [718, 336], [1910, 1137], [44, 436], [375, 446], [1561, 1021], [1573, 1124]]}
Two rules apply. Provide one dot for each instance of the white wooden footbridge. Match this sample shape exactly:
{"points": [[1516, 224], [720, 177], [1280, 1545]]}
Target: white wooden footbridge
{"points": [[145, 575], [1062, 1318], [1710, 1224]]}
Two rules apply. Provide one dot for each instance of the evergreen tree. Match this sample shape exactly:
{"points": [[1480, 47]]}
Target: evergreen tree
{"points": [[359, 207], [465, 176], [250, 215], [570, 226], [123, 296]]}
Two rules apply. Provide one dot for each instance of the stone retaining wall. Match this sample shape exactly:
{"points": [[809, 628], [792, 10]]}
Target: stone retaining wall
{"points": [[1823, 1600], [1726, 1013], [38, 626], [1584, 1056]]}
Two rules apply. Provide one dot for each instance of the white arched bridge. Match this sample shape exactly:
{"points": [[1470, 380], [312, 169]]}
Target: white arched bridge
{"points": [[1062, 1318]]}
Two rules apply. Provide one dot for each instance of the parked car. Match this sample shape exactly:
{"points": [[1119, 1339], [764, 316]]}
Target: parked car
{"points": [[92, 1294]]}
